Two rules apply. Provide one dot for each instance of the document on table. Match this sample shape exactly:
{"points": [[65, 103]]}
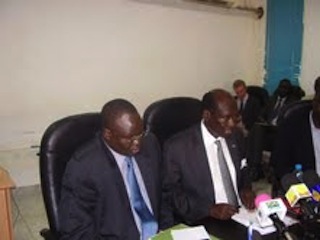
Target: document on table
{"points": [[246, 217], [191, 233]]}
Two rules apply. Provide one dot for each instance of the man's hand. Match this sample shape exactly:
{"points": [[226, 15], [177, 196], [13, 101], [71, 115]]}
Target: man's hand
{"points": [[247, 197], [223, 211]]}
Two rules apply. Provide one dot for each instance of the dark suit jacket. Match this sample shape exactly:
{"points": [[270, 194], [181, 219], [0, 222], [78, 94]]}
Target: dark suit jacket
{"points": [[187, 192], [94, 203], [267, 111], [251, 111], [293, 145]]}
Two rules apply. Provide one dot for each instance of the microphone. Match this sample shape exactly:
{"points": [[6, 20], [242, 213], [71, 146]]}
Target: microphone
{"points": [[312, 180], [297, 193], [271, 212]]}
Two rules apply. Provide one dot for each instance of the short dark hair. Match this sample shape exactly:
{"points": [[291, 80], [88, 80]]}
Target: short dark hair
{"points": [[113, 109], [285, 81], [210, 99], [238, 83]]}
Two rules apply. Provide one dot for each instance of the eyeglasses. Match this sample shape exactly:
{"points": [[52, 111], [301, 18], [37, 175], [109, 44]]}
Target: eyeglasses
{"points": [[236, 118], [130, 140]]}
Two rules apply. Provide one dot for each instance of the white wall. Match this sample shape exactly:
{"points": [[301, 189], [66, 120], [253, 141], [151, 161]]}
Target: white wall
{"points": [[311, 50], [62, 57]]}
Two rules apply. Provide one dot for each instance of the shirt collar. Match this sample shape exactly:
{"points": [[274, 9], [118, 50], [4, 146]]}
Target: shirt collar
{"points": [[208, 138]]}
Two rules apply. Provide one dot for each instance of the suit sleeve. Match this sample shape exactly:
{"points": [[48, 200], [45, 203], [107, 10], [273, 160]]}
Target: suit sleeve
{"points": [[77, 204], [178, 204]]}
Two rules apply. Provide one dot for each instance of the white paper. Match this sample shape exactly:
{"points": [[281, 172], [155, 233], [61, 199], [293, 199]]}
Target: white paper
{"points": [[246, 217], [192, 233]]}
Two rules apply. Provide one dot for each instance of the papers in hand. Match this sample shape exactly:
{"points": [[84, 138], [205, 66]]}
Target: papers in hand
{"points": [[191, 233]]}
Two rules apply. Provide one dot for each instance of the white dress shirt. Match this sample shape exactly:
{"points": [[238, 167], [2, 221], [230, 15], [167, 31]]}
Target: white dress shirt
{"points": [[211, 150], [120, 160], [315, 132]]}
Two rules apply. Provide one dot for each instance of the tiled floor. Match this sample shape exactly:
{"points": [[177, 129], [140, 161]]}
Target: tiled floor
{"points": [[28, 213], [29, 216]]}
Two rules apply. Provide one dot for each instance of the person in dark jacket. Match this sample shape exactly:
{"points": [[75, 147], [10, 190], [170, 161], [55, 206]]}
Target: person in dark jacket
{"points": [[194, 185], [111, 186]]}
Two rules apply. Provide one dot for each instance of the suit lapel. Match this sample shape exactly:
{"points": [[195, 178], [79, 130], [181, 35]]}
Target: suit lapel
{"points": [[115, 171], [234, 153], [147, 177], [201, 162]]}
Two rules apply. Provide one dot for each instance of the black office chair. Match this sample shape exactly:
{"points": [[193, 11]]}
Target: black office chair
{"points": [[260, 93], [294, 108], [168, 116], [286, 113], [58, 143]]}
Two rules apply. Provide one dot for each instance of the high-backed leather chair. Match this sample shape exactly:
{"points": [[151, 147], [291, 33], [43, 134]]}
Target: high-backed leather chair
{"points": [[58, 143], [286, 113], [260, 93], [294, 108], [168, 116]]}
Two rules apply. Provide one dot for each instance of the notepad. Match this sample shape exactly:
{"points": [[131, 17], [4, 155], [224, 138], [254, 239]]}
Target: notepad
{"points": [[191, 233], [167, 234], [246, 217]]}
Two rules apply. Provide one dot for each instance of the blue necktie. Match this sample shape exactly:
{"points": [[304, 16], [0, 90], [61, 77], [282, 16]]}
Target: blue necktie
{"points": [[149, 226]]}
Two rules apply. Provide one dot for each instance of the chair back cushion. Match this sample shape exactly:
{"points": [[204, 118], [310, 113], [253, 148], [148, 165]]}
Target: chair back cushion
{"points": [[168, 116], [260, 93], [58, 144], [294, 108]]}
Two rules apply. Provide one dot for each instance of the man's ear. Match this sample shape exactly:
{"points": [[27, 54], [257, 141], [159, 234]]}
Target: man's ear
{"points": [[106, 134], [206, 115]]}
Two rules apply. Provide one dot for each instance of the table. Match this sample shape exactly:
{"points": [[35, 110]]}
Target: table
{"points": [[231, 230], [6, 231]]}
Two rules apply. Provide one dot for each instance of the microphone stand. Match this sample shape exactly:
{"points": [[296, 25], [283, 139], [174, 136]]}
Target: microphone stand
{"points": [[282, 230]]}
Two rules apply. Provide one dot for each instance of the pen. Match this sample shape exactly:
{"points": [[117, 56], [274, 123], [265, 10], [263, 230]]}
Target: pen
{"points": [[250, 231]]}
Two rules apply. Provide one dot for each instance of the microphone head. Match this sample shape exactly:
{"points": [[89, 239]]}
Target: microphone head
{"points": [[261, 198], [288, 180], [267, 208], [311, 178]]}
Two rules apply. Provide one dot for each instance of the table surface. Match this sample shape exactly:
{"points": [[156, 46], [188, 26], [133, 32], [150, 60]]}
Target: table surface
{"points": [[231, 230]]}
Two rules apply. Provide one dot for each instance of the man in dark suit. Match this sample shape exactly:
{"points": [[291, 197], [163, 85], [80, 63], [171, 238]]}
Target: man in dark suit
{"points": [[193, 185], [106, 178], [299, 140], [248, 106], [263, 133]]}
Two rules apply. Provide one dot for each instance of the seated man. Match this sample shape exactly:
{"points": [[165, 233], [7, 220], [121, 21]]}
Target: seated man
{"points": [[204, 169], [111, 186], [299, 140], [248, 106], [263, 133], [281, 97]]}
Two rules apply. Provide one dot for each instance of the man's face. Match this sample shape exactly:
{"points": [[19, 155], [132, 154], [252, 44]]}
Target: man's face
{"points": [[284, 89], [224, 119], [316, 111], [240, 91], [125, 134]]}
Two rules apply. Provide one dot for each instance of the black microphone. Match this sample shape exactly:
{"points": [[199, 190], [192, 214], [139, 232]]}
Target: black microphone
{"points": [[298, 193], [312, 180]]}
